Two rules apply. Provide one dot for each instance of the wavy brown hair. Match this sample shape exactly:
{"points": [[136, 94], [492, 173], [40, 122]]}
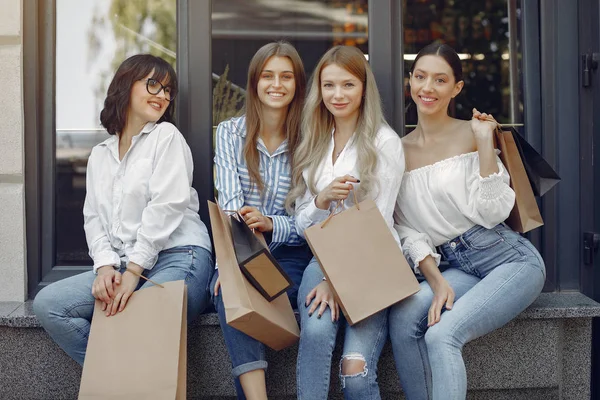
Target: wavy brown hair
{"points": [[113, 116], [253, 105]]}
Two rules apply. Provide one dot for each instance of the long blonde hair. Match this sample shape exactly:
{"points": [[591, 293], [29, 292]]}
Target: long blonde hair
{"points": [[317, 124], [253, 106]]}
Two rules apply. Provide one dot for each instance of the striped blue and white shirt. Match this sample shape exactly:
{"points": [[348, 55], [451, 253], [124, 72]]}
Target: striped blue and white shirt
{"points": [[235, 189]]}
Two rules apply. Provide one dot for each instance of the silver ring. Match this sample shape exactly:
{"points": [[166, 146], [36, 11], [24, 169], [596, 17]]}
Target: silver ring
{"points": [[325, 301]]}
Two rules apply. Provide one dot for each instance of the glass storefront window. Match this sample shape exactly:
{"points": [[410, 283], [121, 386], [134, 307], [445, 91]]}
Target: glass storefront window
{"points": [[92, 38], [240, 28], [485, 34]]}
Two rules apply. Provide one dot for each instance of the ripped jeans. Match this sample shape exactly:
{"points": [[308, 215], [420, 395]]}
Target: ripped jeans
{"points": [[363, 344]]}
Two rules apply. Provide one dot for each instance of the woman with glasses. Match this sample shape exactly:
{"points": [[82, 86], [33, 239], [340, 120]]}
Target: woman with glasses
{"points": [[253, 159], [140, 213]]}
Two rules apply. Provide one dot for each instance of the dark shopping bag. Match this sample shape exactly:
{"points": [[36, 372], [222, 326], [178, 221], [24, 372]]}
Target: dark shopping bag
{"points": [[541, 175], [256, 262], [525, 215]]}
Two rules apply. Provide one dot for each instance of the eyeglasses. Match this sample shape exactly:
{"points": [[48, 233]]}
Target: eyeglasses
{"points": [[154, 87]]}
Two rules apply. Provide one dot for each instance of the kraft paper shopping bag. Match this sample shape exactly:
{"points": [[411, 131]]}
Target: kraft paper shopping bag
{"points": [[141, 352], [362, 261], [272, 323]]}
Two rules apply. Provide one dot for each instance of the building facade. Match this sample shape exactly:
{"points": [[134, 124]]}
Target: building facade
{"points": [[531, 63]]}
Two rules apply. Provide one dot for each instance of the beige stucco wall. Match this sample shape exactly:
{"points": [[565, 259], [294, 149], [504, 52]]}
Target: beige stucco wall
{"points": [[13, 276]]}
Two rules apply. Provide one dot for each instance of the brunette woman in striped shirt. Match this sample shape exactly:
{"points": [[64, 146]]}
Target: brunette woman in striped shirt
{"points": [[254, 158]]}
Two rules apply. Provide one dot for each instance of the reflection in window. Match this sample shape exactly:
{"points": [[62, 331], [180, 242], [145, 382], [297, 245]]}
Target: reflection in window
{"points": [[240, 28], [485, 35], [92, 38]]}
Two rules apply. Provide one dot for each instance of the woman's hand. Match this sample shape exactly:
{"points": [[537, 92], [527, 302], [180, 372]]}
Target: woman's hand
{"points": [[322, 296], [443, 295], [483, 125], [255, 220], [104, 285], [337, 190], [217, 286], [128, 284]]}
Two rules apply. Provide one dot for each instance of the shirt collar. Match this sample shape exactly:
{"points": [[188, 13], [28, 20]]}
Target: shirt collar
{"points": [[113, 141], [283, 148]]}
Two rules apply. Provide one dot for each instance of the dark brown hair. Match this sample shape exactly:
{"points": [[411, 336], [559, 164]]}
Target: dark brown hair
{"points": [[444, 51], [253, 106], [113, 116]]}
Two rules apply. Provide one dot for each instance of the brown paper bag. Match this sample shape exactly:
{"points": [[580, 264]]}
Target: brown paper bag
{"points": [[272, 323], [362, 261], [525, 215], [141, 352]]}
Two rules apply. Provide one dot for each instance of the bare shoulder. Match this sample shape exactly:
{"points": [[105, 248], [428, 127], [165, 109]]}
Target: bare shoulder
{"points": [[464, 134]]}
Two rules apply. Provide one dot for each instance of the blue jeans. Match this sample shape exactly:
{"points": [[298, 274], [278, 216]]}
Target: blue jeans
{"points": [[495, 274], [65, 308], [248, 354], [364, 341], [317, 341]]}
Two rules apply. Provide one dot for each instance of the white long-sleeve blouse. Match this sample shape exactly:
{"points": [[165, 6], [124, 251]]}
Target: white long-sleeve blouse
{"points": [[439, 202], [389, 172], [144, 203]]}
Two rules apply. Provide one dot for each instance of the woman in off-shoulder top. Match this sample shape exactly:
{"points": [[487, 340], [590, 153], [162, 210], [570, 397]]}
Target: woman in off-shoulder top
{"points": [[454, 198]]}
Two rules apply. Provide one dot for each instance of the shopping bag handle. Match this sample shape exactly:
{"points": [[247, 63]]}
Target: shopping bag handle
{"points": [[238, 216], [340, 203], [143, 277]]}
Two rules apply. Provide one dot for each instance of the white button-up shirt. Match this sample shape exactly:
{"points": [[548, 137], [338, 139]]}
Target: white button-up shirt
{"points": [[389, 172], [145, 203]]}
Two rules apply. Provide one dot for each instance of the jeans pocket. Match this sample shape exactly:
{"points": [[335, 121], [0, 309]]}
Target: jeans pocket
{"points": [[484, 239], [178, 249]]}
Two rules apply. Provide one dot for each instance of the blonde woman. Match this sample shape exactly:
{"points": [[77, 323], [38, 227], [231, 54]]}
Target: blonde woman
{"points": [[346, 145]]}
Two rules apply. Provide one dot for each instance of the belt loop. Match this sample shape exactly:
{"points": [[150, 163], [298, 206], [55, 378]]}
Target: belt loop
{"points": [[463, 241]]}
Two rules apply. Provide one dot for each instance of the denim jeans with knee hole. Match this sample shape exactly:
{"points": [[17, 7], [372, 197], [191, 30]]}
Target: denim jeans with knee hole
{"points": [[248, 354], [495, 274], [317, 341], [65, 308], [363, 342]]}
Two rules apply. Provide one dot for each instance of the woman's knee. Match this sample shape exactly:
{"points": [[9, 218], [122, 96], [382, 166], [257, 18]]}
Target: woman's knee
{"points": [[439, 336], [318, 331], [354, 374], [44, 301]]}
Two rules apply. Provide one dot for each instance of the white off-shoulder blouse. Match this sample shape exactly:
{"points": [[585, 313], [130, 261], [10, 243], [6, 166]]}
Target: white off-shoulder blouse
{"points": [[439, 202]]}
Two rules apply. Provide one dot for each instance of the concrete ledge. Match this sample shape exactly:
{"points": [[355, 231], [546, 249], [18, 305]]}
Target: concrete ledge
{"points": [[543, 354]]}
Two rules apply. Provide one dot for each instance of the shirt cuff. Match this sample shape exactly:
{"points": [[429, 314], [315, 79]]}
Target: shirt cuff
{"points": [[143, 255], [314, 213], [492, 187], [281, 228], [418, 251], [105, 258]]}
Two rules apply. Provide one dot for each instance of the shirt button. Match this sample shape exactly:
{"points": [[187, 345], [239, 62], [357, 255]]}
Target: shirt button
{"points": [[452, 245]]}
